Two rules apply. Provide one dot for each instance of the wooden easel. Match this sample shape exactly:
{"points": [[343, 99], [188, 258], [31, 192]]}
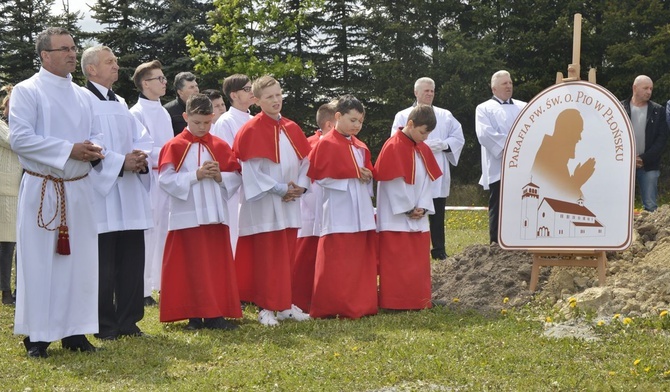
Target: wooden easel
{"points": [[577, 258]]}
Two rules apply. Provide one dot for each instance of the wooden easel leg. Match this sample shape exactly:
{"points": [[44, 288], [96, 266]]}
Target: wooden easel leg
{"points": [[602, 268]]}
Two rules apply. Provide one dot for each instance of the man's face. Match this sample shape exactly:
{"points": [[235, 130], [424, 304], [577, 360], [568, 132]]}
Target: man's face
{"points": [[60, 62], [642, 90], [243, 98], [349, 123], [503, 88], [188, 89], [106, 71], [425, 93], [270, 100], [154, 85], [219, 108]]}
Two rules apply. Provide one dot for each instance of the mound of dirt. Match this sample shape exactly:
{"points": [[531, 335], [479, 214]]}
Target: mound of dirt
{"points": [[638, 279]]}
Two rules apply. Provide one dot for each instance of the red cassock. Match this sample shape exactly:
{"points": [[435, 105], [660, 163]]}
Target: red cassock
{"points": [[404, 257], [345, 277], [198, 274], [305, 259], [264, 261]]}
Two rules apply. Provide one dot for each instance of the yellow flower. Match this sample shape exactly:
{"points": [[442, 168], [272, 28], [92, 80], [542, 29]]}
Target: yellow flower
{"points": [[601, 323], [647, 369], [355, 348], [616, 316], [627, 320], [503, 312], [611, 373], [572, 299], [505, 300], [548, 319], [664, 313], [336, 355], [666, 373], [573, 304], [456, 300], [637, 362]]}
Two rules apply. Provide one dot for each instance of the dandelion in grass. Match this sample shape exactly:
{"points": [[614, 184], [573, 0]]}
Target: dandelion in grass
{"points": [[637, 362], [503, 312], [616, 316], [666, 373], [456, 300], [664, 314], [647, 369], [627, 320], [573, 304], [600, 323], [548, 319], [505, 300], [336, 355], [611, 373]]}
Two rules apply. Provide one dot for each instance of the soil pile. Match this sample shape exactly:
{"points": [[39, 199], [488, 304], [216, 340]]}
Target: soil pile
{"points": [[638, 279]]}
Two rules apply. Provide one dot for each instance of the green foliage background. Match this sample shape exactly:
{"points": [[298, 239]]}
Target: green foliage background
{"points": [[376, 49]]}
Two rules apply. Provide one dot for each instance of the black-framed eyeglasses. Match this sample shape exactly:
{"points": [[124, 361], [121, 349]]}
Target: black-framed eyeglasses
{"points": [[161, 79], [64, 49], [246, 89]]}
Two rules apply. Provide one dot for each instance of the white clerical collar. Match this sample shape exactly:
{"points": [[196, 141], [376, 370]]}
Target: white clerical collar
{"points": [[238, 113], [56, 79]]}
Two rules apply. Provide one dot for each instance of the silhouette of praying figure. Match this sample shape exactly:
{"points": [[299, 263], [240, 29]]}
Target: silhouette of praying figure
{"points": [[550, 168]]}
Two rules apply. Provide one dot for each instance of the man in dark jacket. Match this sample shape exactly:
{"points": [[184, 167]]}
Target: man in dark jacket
{"points": [[185, 85], [651, 133]]}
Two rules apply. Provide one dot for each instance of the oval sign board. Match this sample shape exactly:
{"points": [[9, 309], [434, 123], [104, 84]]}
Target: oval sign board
{"points": [[568, 172]]}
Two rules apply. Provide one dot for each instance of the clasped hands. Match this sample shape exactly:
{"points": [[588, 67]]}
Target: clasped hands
{"points": [[136, 161], [86, 152], [366, 175], [294, 192], [416, 213], [209, 169]]}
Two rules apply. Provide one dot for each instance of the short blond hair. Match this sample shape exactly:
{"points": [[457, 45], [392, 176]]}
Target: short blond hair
{"points": [[261, 84]]}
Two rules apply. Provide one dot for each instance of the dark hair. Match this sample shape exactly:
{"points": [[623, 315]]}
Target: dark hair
{"points": [[326, 112], [423, 115], [142, 70], [212, 94], [234, 83], [181, 78], [347, 103], [43, 40], [199, 104]]}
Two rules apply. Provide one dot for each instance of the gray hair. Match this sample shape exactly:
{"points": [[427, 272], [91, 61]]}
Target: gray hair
{"points": [[43, 41], [90, 57], [424, 80], [499, 75], [181, 79]]}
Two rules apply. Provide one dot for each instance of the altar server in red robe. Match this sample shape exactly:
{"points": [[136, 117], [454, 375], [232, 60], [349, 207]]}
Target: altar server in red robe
{"points": [[405, 171], [200, 172], [310, 210], [273, 153], [345, 278]]}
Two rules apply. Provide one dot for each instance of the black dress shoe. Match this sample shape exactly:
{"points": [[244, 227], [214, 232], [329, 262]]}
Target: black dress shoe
{"points": [[194, 323], [36, 349], [78, 343], [219, 323], [150, 301]]}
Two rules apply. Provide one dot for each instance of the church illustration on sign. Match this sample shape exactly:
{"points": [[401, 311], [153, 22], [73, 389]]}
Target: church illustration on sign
{"points": [[552, 218]]}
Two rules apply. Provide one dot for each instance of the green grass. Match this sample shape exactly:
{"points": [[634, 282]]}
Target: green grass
{"points": [[437, 349]]}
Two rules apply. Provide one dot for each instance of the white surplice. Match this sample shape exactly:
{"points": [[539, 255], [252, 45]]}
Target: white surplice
{"points": [[122, 202], [262, 211], [396, 197], [153, 116], [493, 122], [196, 203], [57, 295], [226, 128], [347, 204], [448, 134]]}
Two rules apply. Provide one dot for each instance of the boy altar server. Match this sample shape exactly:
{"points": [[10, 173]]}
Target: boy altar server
{"points": [[273, 153], [345, 277], [200, 172], [406, 169]]}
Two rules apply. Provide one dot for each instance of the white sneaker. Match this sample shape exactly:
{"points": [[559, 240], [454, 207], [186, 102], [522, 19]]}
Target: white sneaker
{"points": [[295, 313], [267, 318]]}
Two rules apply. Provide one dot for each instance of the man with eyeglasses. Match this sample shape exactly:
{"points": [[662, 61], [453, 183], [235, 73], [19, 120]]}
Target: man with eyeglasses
{"points": [[185, 86], [238, 90], [151, 83], [122, 205], [52, 130]]}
